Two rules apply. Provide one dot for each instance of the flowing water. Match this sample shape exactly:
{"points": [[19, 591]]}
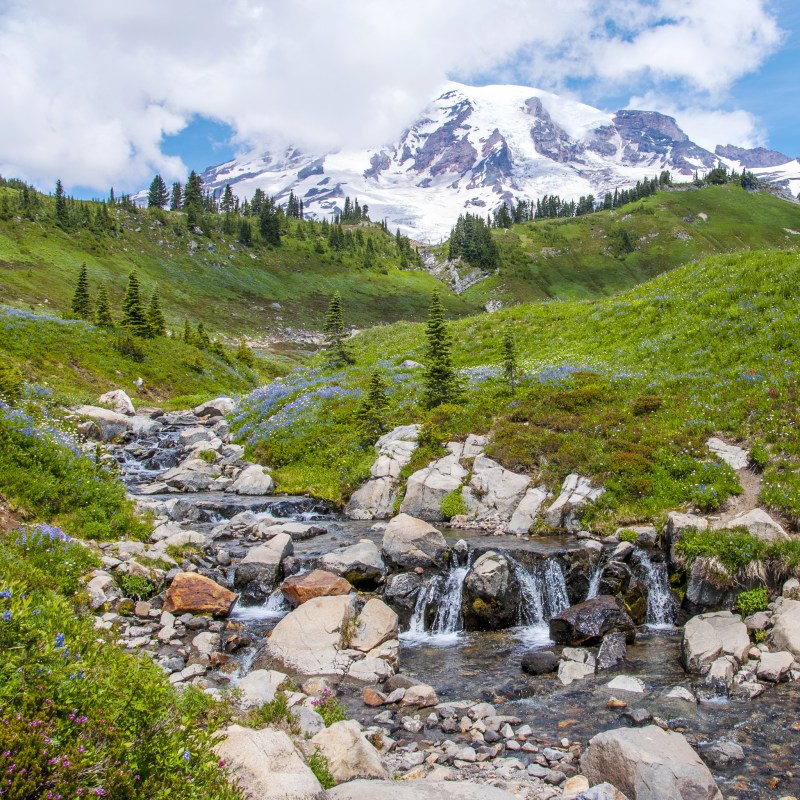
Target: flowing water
{"points": [[660, 602], [597, 576]]}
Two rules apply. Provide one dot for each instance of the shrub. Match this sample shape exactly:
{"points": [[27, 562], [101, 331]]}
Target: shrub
{"points": [[209, 456], [759, 457], [734, 549], [11, 382], [128, 346], [453, 504], [752, 600], [628, 536], [647, 404], [319, 765], [136, 587], [329, 708]]}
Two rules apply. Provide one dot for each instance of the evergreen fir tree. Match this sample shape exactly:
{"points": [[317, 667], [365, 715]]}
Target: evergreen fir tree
{"points": [[81, 302], [102, 311], [441, 382], [335, 331], [509, 359], [133, 313], [155, 318], [158, 196], [245, 355], [62, 212], [269, 223], [176, 198], [371, 412], [245, 232], [188, 332], [202, 339]]}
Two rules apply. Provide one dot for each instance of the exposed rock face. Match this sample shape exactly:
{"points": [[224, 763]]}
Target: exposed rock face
{"points": [[257, 573], [493, 490], [266, 765], [759, 524], [360, 564], [527, 511], [195, 594], [218, 407], [376, 498], [417, 790], [753, 157], [253, 480], [612, 651], [649, 764], [410, 543], [427, 487], [575, 493], [349, 753], [490, 592], [588, 622], [119, 401], [708, 636], [786, 630], [318, 583]]}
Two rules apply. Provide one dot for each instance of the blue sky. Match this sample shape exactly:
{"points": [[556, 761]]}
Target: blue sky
{"points": [[188, 84]]}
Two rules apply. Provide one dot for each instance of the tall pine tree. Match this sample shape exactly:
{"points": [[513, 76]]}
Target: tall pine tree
{"points": [[134, 316], [81, 302], [371, 412], [440, 380], [156, 323], [158, 196], [102, 310], [62, 212], [335, 331], [176, 198]]}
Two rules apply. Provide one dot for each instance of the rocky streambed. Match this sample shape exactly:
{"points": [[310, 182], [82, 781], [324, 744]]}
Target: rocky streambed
{"points": [[423, 632]]}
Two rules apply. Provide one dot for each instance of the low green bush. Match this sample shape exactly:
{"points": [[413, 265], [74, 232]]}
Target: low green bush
{"points": [[454, 504], [319, 765], [327, 705], [137, 587], [628, 536], [752, 600], [734, 549]]}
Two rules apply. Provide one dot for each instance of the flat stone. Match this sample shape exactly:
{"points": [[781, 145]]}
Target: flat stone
{"points": [[196, 594], [297, 589], [626, 683]]}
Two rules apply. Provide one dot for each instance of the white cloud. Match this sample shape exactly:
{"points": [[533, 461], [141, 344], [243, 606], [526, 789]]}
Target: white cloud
{"points": [[90, 87]]}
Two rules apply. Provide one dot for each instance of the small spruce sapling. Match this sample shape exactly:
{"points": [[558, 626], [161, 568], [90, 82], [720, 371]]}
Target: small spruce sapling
{"points": [[371, 412], [81, 302], [440, 379], [102, 311]]}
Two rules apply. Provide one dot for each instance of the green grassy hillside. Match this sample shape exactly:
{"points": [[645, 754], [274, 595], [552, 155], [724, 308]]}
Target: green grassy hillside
{"points": [[625, 389], [610, 251]]}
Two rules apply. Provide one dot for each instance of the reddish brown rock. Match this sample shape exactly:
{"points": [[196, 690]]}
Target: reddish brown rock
{"points": [[372, 697], [300, 588], [195, 594]]}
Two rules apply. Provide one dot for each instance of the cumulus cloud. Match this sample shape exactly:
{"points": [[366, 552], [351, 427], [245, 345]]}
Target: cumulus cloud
{"points": [[91, 88]]}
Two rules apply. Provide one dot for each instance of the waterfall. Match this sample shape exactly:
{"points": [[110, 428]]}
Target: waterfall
{"points": [[275, 607], [543, 593], [531, 607], [427, 594], [449, 618], [660, 603], [594, 583]]}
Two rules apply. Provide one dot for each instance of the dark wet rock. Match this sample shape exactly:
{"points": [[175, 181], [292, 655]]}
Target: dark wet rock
{"points": [[539, 662], [722, 752], [490, 593], [637, 716], [616, 578], [401, 592], [588, 622], [612, 651]]}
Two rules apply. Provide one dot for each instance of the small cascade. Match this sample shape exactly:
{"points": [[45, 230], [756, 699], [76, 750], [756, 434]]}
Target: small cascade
{"points": [[543, 592], [556, 597], [531, 607], [428, 594], [594, 583], [275, 607], [449, 618], [660, 603]]}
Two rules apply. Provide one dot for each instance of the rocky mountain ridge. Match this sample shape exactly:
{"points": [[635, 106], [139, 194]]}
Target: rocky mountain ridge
{"points": [[474, 148]]}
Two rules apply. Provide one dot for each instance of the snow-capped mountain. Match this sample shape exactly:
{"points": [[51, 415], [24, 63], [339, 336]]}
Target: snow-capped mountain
{"points": [[475, 147]]}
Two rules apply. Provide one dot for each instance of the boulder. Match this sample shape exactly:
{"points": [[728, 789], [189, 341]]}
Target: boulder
{"points": [[401, 590], [409, 543], [427, 487], [318, 583], [570, 671], [192, 475], [575, 493], [791, 589], [376, 624], [373, 500], [588, 622], [540, 662], [723, 753], [612, 651], [649, 764], [708, 636], [195, 435], [252, 481], [417, 790], [703, 589], [350, 755], [107, 425], [733, 456], [493, 490], [490, 593], [257, 573], [360, 564], [759, 524], [774, 667], [420, 695], [527, 511], [259, 687], [190, 593], [786, 626], [266, 765], [119, 401], [218, 407], [720, 673]]}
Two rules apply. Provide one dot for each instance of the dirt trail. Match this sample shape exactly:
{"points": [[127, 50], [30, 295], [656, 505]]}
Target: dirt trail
{"points": [[747, 501]]}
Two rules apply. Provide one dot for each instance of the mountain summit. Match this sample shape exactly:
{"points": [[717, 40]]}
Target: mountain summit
{"points": [[473, 148]]}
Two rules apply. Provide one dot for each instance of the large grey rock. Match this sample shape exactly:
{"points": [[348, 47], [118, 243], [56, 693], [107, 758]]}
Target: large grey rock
{"points": [[108, 425], [493, 490], [350, 755], [735, 457], [490, 593], [253, 481], [575, 493], [612, 651], [759, 524], [361, 564], [571, 671], [376, 624], [649, 764], [410, 543], [526, 513], [119, 401], [373, 500], [259, 687], [786, 626], [266, 765], [192, 475], [218, 407], [417, 790], [703, 590], [427, 487], [192, 436], [588, 622], [708, 636], [774, 667], [257, 573]]}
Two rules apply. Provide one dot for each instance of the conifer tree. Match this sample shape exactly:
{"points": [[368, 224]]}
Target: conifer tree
{"points": [[441, 382], [335, 331], [188, 332], [509, 359], [202, 339], [133, 313], [158, 196], [156, 323], [62, 213], [81, 302], [176, 198], [102, 311], [245, 232], [371, 412], [245, 355]]}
